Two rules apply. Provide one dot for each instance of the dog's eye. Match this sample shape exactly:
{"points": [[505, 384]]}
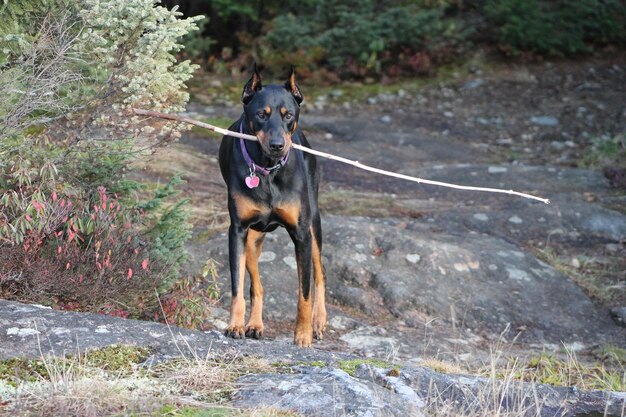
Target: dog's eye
{"points": [[288, 116], [261, 115]]}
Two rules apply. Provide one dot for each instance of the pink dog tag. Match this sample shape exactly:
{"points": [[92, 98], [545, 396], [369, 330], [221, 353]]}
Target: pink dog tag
{"points": [[252, 181]]}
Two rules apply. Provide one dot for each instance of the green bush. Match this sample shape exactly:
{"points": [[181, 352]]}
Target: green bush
{"points": [[71, 226], [361, 37], [167, 230], [556, 27]]}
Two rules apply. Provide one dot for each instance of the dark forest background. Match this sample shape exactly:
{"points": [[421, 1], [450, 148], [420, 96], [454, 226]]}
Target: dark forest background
{"points": [[392, 38]]}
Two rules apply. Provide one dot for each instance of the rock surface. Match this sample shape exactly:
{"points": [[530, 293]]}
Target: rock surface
{"points": [[311, 390], [30, 331], [324, 392], [402, 270]]}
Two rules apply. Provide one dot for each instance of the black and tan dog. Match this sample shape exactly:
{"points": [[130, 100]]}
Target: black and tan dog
{"points": [[270, 185]]}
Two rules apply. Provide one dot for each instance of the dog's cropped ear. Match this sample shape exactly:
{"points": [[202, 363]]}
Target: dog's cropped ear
{"points": [[292, 87], [252, 86]]}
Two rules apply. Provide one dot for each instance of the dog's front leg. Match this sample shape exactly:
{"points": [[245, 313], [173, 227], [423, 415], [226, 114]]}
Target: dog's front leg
{"points": [[237, 257], [254, 244], [304, 330]]}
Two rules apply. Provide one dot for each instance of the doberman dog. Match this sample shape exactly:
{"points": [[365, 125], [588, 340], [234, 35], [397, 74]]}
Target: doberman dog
{"points": [[270, 185]]}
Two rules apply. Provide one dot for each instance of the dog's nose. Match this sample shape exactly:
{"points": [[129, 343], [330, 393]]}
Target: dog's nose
{"points": [[277, 145]]}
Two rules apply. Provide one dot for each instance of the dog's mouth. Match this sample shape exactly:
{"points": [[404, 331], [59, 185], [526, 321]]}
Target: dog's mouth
{"points": [[275, 157], [278, 154]]}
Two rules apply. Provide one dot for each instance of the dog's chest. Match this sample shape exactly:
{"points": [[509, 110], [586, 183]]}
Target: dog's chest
{"points": [[264, 215]]}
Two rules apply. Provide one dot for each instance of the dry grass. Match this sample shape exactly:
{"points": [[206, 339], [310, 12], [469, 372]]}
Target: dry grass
{"points": [[106, 383], [601, 277], [185, 387], [195, 387], [212, 379], [74, 389], [444, 367], [499, 399], [503, 391], [500, 395], [570, 371]]}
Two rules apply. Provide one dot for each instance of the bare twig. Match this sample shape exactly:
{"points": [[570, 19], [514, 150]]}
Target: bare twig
{"points": [[357, 164]]}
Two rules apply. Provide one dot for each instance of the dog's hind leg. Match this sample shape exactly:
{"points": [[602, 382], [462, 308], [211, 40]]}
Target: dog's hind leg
{"points": [[303, 335], [319, 276], [254, 245], [300, 233]]}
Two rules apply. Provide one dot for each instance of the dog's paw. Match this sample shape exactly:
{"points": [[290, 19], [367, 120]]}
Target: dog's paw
{"points": [[318, 330], [255, 331], [234, 331], [303, 339], [319, 324]]}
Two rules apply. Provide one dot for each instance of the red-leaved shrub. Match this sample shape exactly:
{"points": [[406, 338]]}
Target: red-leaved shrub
{"points": [[75, 248]]}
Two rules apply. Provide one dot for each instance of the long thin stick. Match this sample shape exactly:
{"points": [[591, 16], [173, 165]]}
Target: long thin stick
{"points": [[336, 158]]}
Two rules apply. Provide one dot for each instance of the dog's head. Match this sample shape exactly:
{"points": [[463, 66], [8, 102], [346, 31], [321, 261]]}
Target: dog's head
{"points": [[272, 112]]}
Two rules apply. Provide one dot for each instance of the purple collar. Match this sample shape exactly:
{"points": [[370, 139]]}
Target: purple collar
{"points": [[252, 165]]}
